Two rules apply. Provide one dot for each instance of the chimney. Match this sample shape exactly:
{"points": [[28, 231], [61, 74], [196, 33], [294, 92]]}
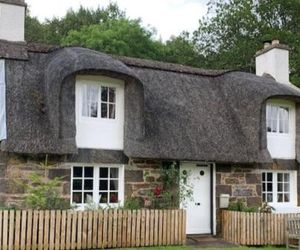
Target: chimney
{"points": [[12, 20], [273, 60]]}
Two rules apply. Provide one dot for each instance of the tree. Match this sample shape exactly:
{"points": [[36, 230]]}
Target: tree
{"points": [[116, 36], [234, 30], [52, 31]]}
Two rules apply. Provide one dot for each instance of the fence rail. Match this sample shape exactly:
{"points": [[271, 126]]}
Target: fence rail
{"points": [[62, 230], [255, 228]]}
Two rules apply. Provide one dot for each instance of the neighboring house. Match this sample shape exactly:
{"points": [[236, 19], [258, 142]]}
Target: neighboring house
{"points": [[108, 124]]}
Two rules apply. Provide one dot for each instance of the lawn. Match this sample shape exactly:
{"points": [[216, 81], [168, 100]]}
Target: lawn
{"points": [[195, 248]]}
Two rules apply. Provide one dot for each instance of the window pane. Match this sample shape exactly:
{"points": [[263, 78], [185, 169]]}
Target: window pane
{"points": [[114, 172], [280, 177], [77, 172], [279, 197], [269, 177], [287, 198], [280, 187], [104, 110], [263, 187], [77, 198], [103, 185], [103, 172], [283, 120], [88, 197], [263, 176], [113, 197], [88, 172], [264, 197], [77, 184], [269, 197], [103, 197], [270, 187], [90, 100], [112, 95], [88, 184], [286, 187], [112, 111], [104, 91], [113, 185], [286, 177]]}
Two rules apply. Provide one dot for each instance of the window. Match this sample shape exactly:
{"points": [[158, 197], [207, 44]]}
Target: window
{"points": [[101, 184], [281, 126], [91, 101], [100, 108], [277, 119], [278, 187]]}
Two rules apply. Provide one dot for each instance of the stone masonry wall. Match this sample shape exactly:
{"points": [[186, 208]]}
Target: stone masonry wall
{"points": [[141, 177], [16, 169]]}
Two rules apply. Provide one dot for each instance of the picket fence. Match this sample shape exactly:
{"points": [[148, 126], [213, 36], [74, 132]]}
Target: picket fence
{"points": [[114, 228], [252, 229]]}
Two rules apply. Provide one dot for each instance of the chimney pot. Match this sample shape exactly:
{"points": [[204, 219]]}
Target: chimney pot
{"points": [[266, 45], [275, 41]]}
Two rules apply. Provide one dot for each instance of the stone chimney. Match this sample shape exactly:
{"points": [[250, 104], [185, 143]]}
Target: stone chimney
{"points": [[12, 20], [273, 60]]}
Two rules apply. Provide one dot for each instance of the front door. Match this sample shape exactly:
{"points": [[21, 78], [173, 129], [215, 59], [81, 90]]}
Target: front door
{"points": [[198, 208]]}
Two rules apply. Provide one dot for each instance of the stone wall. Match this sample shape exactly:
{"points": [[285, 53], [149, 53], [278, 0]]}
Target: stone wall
{"points": [[141, 177], [242, 183], [15, 170]]}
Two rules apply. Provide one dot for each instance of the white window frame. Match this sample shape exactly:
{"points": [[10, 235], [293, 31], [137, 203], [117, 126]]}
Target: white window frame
{"points": [[283, 145], [96, 178], [100, 81], [293, 189]]}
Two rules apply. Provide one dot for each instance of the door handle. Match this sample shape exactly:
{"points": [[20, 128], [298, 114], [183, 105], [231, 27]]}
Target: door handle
{"points": [[197, 203]]}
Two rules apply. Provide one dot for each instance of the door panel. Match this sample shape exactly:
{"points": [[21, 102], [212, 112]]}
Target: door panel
{"points": [[199, 207]]}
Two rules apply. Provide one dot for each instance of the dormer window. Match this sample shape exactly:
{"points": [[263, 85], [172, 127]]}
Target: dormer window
{"points": [[99, 112], [280, 119]]}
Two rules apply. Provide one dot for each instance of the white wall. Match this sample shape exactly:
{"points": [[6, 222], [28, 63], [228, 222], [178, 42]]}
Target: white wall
{"points": [[2, 101], [283, 146], [12, 18], [100, 133], [274, 62]]}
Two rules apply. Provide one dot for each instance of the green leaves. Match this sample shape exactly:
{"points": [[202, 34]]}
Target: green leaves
{"points": [[234, 30]]}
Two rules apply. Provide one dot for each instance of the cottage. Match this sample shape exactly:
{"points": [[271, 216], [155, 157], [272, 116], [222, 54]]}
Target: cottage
{"points": [[109, 123]]}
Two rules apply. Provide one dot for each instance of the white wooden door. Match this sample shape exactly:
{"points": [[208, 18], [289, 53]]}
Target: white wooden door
{"points": [[199, 207]]}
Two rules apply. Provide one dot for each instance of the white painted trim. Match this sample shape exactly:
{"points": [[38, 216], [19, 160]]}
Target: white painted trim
{"points": [[95, 191], [214, 226], [3, 129]]}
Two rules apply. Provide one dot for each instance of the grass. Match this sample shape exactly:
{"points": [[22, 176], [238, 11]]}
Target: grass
{"points": [[195, 248]]}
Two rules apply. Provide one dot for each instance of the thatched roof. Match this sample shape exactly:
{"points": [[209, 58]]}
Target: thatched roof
{"points": [[171, 112], [15, 2]]}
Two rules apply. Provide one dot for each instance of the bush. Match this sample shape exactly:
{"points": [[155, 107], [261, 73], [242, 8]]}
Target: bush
{"points": [[44, 194]]}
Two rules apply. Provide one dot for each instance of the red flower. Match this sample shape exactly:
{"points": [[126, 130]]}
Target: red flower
{"points": [[157, 191]]}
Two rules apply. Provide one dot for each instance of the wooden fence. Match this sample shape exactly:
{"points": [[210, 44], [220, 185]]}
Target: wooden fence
{"points": [[254, 228], [61, 230]]}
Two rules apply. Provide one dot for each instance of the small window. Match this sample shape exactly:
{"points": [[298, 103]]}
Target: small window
{"points": [[276, 187], [277, 119], [98, 101], [99, 184]]}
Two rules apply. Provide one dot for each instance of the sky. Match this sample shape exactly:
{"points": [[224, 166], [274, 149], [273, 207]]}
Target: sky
{"points": [[168, 17]]}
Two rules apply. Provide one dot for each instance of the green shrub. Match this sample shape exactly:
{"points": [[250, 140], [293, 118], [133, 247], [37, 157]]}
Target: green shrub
{"points": [[44, 194], [132, 203]]}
